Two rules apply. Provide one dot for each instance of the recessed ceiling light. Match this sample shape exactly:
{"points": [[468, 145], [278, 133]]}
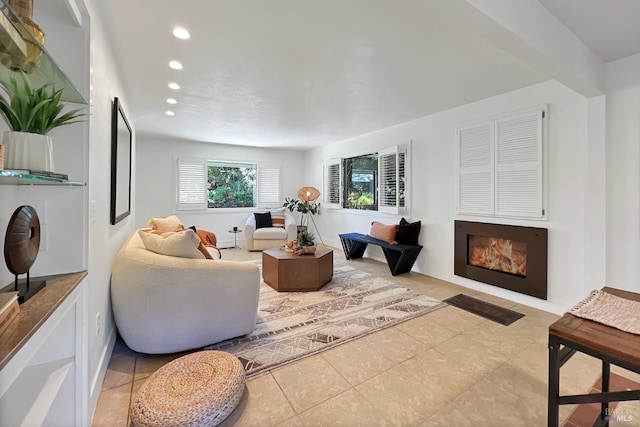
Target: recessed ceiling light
{"points": [[171, 101], [181, 33], [170, 113], [174, 86], [175, 65]]}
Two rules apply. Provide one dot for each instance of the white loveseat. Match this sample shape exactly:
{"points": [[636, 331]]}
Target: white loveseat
{"points": [[269, 237], [165, 304]]}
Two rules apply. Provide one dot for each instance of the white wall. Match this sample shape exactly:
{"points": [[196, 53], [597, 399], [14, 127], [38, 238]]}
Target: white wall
{"points": [[623, 173], [104, 239], [433, 185], [156, 189]]}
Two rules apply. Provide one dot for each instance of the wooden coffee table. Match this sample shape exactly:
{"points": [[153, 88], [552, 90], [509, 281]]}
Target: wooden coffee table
{"points": [[286, 272]]}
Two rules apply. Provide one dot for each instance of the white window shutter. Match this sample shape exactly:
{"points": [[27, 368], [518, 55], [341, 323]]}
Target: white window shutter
{"points": [[192, 175], [389, 180], [333, 184], [519, 165], [268, 185], [475, 182], [403, 179]]}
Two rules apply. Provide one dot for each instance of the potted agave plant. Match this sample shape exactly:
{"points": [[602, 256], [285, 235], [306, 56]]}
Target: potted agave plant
{"points": [[31, 113], [307, 244]]}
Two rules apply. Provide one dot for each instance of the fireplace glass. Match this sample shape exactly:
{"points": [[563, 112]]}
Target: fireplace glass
{"points": [[493, 253]]}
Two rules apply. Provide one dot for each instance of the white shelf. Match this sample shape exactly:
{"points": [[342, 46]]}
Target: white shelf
{"points": [[8, 177]]}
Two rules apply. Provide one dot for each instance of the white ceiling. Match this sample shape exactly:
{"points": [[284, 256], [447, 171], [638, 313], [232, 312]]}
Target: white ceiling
{"points": [[302, 73]]}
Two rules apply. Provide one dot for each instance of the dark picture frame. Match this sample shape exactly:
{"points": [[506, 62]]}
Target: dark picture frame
{"points": [[121, 141]]}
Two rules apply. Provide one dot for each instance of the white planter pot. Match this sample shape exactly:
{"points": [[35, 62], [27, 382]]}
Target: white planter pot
{"points": [[28, 151]]}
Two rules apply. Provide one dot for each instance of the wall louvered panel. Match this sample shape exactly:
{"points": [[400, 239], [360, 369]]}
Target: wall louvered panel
{"points": [[519, 165], [475, 146], [476, 193], [518, 192], [475, 169]]}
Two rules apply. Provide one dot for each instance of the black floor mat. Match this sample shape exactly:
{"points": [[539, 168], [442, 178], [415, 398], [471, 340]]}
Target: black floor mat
{"points": [[489, 311]]}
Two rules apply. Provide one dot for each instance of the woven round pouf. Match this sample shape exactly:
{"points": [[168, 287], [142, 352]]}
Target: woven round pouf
{"points": [[199, 389]]}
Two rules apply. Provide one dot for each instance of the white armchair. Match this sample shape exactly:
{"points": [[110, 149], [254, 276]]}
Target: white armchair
{"points": [[268, 237]]}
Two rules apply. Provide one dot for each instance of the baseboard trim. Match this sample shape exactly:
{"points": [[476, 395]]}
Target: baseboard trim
{"points": [[98, 378]]}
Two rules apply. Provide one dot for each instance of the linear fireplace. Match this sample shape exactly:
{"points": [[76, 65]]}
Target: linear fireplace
{"points": [[508, 256]]}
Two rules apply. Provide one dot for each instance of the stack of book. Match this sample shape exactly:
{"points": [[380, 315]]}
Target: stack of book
{"points": [[9, 309]]}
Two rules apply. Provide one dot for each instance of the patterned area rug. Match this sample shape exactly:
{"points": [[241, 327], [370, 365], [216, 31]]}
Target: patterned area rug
{"points": [[293, 325]]}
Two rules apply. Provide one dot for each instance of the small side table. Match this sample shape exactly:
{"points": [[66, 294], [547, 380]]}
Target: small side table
{"points": [[570, 334], [235, 238]]}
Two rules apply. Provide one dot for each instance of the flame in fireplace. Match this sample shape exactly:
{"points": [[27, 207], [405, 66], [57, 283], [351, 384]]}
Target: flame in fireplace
{"points": [[498, 254]]}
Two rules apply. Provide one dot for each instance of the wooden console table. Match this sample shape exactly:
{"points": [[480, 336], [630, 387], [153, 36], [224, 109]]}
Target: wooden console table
{"points": [[570, 334]]}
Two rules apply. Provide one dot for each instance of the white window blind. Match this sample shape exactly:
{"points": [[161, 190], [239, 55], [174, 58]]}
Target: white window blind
{"points": [[402, 175], [268, 185], [392, 179], [500, 167], [333, 183], [192, 184], [475, 167]]}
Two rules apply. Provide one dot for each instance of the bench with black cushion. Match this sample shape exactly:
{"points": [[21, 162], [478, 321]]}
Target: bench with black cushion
{"points": [[400, 258]]}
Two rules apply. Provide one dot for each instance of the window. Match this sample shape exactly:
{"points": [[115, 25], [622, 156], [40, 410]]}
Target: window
{"points": [[203, 184], [361, 181], [373, 181], [231, 185], [500, 166]]}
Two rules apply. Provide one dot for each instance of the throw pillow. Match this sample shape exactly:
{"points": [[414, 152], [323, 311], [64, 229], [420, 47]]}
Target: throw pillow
{"points": [[183, 244], [277, 222], [168, 223], [207, 237], [277, 217], [384, 232], [204, 251], [408, 232], [263, 220]]}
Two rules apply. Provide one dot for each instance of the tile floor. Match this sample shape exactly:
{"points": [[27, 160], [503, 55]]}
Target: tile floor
{"points": [[446, 368]]}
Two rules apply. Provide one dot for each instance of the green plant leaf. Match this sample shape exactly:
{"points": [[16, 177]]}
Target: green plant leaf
{"points": [[34, 110]]}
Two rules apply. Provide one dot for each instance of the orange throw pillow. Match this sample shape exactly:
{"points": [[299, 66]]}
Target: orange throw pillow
{"points": [[384, 232], [204, 251], [207, 237]]}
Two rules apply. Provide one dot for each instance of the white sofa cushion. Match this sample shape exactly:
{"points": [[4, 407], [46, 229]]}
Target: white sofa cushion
{"points": [[183, 244], [168, 223], [270, 233]]}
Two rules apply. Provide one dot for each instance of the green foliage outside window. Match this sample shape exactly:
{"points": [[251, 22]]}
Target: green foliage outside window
{"points": [[361, 180], [231, 185]]}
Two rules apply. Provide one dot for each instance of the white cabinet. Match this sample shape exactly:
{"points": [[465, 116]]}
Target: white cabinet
{"points": [[42, 382]]}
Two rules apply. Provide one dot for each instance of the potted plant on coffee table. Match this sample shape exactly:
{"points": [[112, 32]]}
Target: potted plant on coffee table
{"points": [[31, 113], [306, 244]]}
